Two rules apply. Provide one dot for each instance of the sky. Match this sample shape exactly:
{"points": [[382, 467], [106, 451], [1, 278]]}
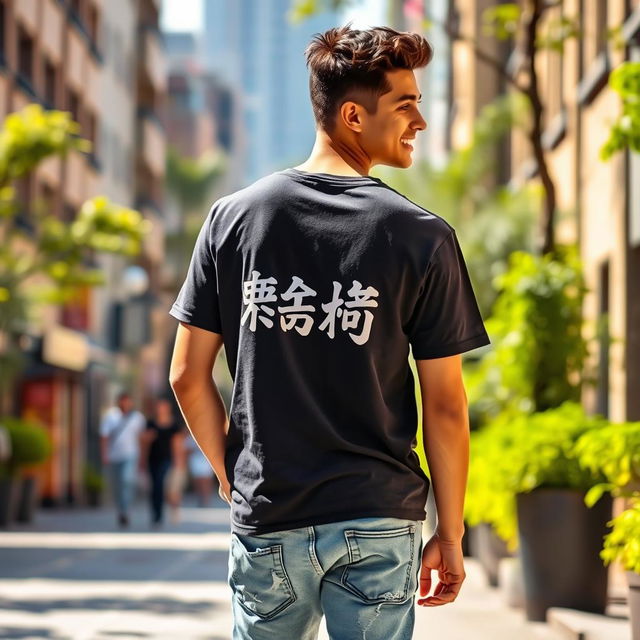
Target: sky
{"points": [[186, 15]]}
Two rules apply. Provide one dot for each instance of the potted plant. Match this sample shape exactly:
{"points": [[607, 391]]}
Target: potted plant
{"points": [[623, 544], [30, 446], [93, 485], [559, 536], [615, 451]]}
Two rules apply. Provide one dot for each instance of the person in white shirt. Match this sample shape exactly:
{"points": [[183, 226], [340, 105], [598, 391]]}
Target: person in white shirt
{"points": [[120, 433]]}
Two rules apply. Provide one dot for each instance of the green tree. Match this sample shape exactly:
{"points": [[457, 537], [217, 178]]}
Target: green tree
{"points": [[625, 132], [47, 260]]}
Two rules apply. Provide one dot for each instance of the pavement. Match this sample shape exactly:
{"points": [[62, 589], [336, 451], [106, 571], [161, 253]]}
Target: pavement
{"points": [[72, 574]]}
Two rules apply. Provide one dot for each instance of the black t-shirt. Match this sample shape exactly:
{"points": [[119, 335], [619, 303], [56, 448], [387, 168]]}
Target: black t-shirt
{"points": [[160, 447], [319, 285]]}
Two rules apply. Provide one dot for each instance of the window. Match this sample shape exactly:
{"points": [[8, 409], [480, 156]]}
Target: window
{"points": [[25, 55], [73, 104], [2, 44], [92, 134], [93, 23], [49, 83], [601, 25]]}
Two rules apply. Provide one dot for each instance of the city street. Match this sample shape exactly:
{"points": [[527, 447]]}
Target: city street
{"points": [[71, 574]]}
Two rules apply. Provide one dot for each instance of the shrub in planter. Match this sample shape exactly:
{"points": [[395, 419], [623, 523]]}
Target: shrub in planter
{"points": [[623, 544], [531, 458], [615, 450], [30, 445]]}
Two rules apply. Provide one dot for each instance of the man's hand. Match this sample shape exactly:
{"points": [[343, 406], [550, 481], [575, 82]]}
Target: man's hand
{"points": [[445, 557], [224, 491]]}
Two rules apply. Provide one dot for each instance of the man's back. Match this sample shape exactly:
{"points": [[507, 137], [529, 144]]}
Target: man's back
{"points": [[319, 285]]}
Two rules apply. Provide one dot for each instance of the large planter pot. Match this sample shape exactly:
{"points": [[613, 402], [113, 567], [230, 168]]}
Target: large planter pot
{"points": [[8, 499], [560, 540], [27, 497], [633, 579], [488, 548]]}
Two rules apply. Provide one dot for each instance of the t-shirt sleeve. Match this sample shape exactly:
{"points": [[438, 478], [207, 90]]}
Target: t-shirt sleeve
{"points": [[105, 424], [446, 319], [197, 302]]}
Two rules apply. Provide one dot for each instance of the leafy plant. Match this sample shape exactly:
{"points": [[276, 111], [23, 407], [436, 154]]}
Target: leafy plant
{"points": [[30, 443], [519, 452], [625, 132], [487, 498], [623, 542], [93, 480], [539, 351], [613, 450]]}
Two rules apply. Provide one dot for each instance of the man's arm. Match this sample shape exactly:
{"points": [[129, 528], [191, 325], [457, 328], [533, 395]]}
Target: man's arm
{"points": [[445, 427], [200, 402]]}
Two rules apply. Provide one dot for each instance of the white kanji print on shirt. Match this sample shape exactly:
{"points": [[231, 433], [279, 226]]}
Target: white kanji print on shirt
{"points": [[255, 292], [258, 291], [295, 311]]}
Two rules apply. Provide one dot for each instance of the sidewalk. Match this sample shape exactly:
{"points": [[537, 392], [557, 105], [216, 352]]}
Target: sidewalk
{"points": [[72, 574]]}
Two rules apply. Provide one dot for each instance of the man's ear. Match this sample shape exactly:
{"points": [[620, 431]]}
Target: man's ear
{"points": [[351, 116]]}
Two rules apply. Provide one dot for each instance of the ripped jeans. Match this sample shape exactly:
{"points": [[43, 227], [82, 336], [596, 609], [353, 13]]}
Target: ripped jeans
{"points": [[362, 574]]}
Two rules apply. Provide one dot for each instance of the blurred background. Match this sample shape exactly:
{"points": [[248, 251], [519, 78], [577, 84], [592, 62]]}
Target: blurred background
{"points": [[123, 120]]}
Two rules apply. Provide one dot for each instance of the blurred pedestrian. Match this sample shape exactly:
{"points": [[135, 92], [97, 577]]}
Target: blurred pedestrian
{"points": [[177, 475], [158, 446], [200, 470], [120, 431]]}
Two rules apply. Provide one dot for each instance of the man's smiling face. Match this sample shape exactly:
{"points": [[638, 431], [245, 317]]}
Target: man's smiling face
{"points": [[396, 119]]}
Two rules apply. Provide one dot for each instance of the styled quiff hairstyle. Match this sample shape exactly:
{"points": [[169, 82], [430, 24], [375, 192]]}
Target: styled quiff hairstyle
{"points": [[350, 64]]}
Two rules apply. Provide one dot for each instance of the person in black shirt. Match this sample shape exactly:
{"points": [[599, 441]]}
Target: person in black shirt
{"points": [[319, 281], [160, 441]]}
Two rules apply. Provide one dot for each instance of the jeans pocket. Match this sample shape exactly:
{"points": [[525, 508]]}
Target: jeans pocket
{"points": [[258, 577], [381, 567]]}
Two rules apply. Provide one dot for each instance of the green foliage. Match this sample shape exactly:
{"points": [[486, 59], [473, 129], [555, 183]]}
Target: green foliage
{"points": [[31, 135], [537, 360], [622, 543], [30, 443], [625, 131], [487, 498], [516, 453], [93, 480], [613, 451], [501, 21], [191, 179], [301, 10], [556, 32]]}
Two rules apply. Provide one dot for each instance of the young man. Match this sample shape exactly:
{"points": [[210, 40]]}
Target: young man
{"points": [[318, 279], [121, 431]]}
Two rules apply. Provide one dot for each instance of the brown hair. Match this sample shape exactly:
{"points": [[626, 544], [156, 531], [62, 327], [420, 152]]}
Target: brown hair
{"points": [[350, 64]]}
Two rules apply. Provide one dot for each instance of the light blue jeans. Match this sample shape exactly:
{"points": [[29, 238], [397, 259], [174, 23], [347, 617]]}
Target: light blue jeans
{"points": [[123, 477], [362, 574]]}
